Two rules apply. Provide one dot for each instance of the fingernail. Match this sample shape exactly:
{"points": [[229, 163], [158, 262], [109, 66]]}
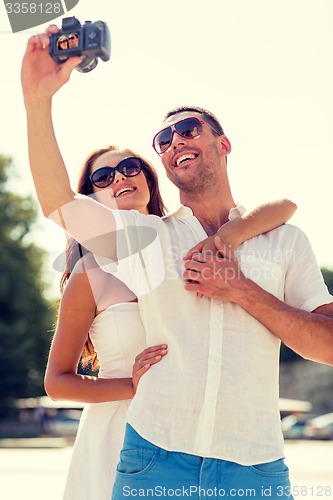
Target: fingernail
{"points": [[158, 357], [163, 351]]}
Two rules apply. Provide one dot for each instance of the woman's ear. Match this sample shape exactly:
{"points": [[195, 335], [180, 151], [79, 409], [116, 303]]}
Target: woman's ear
{"points": [[225, 145]]}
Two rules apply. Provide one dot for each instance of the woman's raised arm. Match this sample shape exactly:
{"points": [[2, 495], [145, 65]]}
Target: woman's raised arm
{"points": [[87, 221]]}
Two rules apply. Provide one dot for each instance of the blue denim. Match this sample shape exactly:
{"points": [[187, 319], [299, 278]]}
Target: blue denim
{"points": [[145, 470]]}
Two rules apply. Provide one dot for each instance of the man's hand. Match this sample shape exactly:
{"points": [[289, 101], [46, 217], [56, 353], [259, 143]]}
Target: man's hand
{"points": [[227, 245], [215, 276], [145, 359], [41, 76]]}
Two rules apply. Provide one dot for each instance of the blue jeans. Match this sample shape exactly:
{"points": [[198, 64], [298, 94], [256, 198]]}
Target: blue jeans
{"points": [[145, 470]]}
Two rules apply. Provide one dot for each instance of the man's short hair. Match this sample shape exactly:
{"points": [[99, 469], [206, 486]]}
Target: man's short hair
{"points": [[209, 117]]}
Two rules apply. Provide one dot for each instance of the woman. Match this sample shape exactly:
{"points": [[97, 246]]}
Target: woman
{"points": [[62, 43], [95, 304]]}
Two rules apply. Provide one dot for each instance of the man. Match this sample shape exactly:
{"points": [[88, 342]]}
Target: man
{"points": [[216, 402], [73, 40], [206, 423]]}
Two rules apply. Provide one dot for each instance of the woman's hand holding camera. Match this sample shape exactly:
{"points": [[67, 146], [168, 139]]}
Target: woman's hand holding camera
{"points": [[41, 76]]}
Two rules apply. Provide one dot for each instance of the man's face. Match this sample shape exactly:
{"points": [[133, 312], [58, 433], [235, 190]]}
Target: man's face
{"points": [[73, 40], [192, 163]]}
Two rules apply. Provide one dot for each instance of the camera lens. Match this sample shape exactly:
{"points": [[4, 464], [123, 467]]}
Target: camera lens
{"points": [[88, 64]]}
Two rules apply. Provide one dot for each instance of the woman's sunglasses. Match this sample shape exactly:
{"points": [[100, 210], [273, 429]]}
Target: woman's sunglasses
{"points": [[188, 127], [104, 176]]}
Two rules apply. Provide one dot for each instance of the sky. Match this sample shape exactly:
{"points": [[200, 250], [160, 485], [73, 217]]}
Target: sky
{"points": [[263, 67]]}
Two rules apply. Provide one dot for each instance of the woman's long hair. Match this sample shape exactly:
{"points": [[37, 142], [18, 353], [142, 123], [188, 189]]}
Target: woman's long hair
{"points": [[75, 251]]}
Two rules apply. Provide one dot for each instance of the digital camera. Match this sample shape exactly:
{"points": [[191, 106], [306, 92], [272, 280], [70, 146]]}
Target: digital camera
{"points": [[90, 41]]}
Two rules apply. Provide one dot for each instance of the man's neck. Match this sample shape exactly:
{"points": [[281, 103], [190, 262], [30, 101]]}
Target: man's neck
{"points": [[210, 213]]}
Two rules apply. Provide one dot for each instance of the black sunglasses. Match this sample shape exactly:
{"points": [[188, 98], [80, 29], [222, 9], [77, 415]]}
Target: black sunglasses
{"points": [[187, 127], [104, 176]]}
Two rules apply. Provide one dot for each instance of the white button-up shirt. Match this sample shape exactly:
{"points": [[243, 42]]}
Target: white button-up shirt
{"points": [[216, 392]]}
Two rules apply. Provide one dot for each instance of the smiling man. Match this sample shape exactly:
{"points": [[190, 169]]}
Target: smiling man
{"points": [[211, 421]]}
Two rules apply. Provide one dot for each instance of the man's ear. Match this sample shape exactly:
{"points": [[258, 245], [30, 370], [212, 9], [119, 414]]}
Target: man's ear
{"points": [[225, 145]]}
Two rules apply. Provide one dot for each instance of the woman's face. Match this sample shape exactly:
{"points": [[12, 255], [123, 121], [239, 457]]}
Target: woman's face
{"points": [[63, 44], [125, 193]]}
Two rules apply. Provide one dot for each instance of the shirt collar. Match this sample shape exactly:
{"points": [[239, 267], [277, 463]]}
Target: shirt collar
{"points": [[184, 212], [237, 211]]}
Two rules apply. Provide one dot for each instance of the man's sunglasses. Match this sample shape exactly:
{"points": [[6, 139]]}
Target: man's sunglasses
{"points": [[188, 127], [104, 176]]}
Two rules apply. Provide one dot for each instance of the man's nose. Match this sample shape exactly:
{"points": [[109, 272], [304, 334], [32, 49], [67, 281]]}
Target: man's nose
{"points": [[177, 140]]}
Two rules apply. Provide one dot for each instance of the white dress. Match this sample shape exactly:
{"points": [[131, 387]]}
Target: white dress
{"points": [[118, 336]]}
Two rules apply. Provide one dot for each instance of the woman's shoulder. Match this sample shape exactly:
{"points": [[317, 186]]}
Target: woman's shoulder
{"points": [[86, 271]]}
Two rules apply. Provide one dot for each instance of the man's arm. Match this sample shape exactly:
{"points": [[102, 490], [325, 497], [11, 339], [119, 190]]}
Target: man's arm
{"points": [[90, 223], [310, 334]]}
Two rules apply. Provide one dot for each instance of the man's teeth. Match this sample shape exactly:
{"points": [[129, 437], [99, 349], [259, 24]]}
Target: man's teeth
{"points": [[183, 158], [122, 191]]}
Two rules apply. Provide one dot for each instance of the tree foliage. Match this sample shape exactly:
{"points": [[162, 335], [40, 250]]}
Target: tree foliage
{"points": [[328, 278], [26, 316]]}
